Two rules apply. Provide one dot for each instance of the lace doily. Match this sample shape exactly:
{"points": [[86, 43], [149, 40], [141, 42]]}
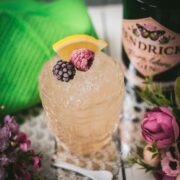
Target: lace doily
{"points": [[42, 140]]}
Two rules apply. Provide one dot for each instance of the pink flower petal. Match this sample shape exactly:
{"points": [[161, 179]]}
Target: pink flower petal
{"points": [[36, 162], [165, 163], [23, 147]]}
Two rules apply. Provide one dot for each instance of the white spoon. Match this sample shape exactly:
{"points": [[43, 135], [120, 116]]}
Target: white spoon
{"points": [[95, 175]]}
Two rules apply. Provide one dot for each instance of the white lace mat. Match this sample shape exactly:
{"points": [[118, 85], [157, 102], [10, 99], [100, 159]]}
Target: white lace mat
{"points": [[43, 141]]}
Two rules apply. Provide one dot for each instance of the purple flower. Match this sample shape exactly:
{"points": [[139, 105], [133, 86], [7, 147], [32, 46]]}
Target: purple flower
{"points": [[12, 157], [4, 160], [23, 140], [9, 122], [37, 162], [4, 138], [160, 125], [15, 157]]}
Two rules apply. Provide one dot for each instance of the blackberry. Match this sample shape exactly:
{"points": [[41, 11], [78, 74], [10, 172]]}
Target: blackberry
{"points": [[64, 71]]}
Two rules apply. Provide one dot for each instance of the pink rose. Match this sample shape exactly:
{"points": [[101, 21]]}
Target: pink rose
{"points": [[160, 125]]}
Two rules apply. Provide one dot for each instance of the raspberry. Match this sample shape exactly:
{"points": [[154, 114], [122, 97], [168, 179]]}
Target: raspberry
{"points": [[82, 59], [64, 71]]}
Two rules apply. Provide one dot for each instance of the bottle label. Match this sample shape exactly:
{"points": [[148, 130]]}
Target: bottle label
{"points": [[151, 47]]}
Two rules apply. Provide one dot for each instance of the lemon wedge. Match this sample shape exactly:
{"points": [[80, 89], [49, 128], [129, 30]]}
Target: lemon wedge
{"points": [[65, 46]]}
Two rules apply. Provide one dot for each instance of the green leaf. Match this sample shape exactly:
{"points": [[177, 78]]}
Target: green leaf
{"points": [[176, 113], [148, 80], [177, 91], [141, 162], [145, 166], [152, 93], [155, 154], [150, 149], [178, 146], [139, 151], [132, 160]]}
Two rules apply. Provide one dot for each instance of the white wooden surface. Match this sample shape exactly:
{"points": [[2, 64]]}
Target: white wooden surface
{"points": [[108, 24]]}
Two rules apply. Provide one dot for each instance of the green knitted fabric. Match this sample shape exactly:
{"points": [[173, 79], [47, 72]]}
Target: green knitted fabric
{"points": [[28, 28]]}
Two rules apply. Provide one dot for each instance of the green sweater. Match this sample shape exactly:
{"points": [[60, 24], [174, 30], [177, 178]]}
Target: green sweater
{"points": [[28, 28]]}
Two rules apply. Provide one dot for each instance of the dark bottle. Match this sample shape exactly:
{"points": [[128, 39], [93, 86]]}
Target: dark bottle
{"points": [[157, 23], [150, 47]]}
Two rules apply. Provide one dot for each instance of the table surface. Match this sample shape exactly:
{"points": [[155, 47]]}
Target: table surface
{"points": [[107, 21]]}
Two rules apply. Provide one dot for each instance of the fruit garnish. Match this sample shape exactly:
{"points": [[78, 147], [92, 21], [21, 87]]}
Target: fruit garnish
{"points": [[64, 71], [66, 46], [82, 59]]}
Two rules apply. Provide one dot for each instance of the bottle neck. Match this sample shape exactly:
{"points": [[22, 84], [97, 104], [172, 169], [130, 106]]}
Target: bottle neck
{"points": [[167, 14], [163, 5]]}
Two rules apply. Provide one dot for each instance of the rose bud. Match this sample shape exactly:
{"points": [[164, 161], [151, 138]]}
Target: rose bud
{"points": [[148, 157]]}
